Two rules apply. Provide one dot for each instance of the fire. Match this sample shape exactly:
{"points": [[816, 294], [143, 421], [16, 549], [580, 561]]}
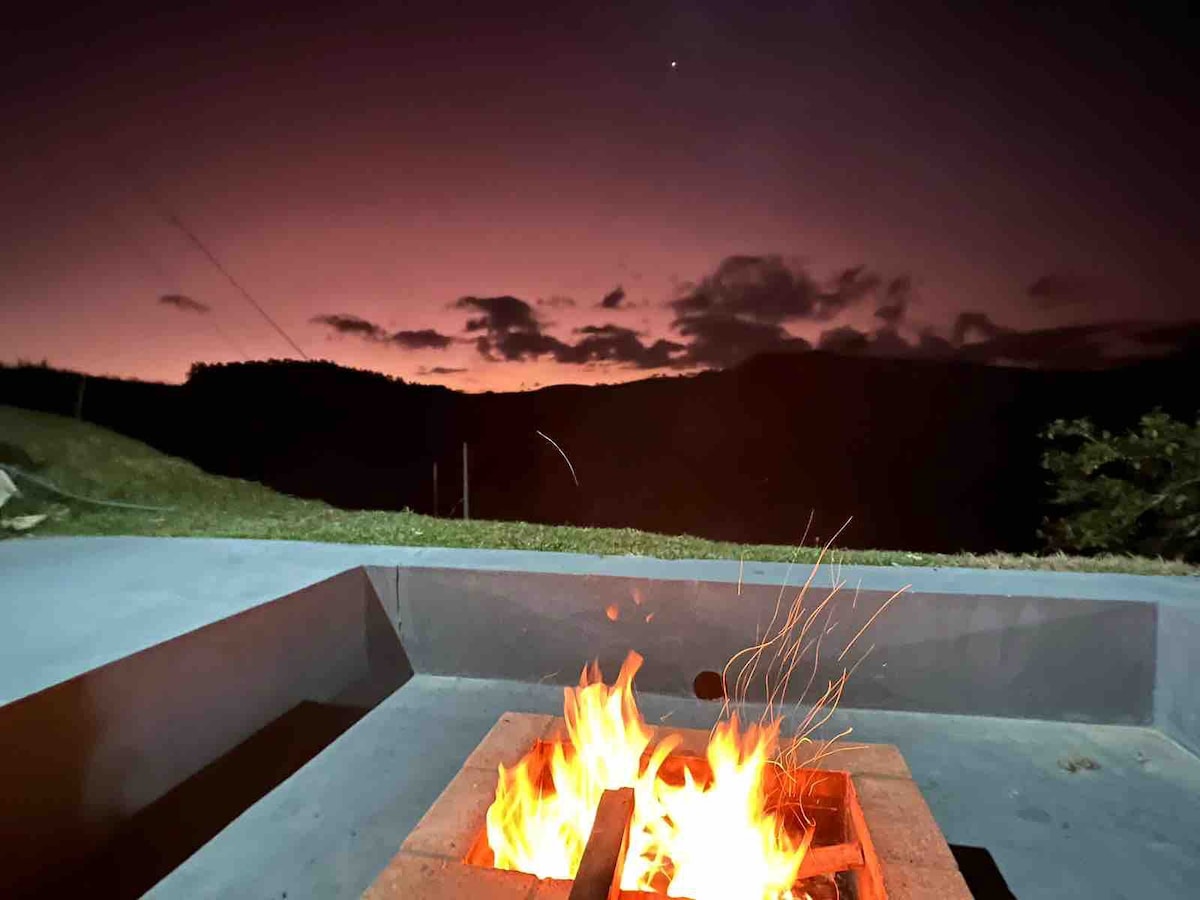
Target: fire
{"points": [[711, 836]]}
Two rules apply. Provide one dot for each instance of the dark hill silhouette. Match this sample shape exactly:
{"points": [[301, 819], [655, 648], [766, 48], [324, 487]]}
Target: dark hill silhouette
{"points": [[926, 455]]}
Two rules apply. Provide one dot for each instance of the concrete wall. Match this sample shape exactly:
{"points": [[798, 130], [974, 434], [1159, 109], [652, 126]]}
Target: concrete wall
{"points": [[82, 758], [1177, 674], [985, 654]]}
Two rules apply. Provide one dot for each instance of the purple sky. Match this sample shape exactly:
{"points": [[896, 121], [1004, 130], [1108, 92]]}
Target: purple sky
{"points": [[384, 164]]}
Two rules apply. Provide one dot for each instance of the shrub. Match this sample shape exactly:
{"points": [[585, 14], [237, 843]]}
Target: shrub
{"points": [[1136, 492]]}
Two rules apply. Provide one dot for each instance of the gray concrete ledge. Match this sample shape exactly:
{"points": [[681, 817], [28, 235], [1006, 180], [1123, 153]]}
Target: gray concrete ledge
{"points": [[72, 604]]}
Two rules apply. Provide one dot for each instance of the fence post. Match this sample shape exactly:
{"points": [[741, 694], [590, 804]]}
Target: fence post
{"points": [[79, 397], [466, 487]]}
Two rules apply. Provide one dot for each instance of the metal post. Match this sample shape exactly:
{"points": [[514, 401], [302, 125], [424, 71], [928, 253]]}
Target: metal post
{"points": [[435, 496], [466, 486], [79, 397]]}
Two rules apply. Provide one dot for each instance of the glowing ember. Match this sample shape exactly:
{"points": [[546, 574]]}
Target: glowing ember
{"points": [[712, 837]]}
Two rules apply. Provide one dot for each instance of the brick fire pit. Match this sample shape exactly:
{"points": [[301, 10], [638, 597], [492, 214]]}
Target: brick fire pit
{"points": [[884, 839]]}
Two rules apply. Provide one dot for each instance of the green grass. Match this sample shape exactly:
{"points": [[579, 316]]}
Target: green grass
{"points": [[91, 461]]}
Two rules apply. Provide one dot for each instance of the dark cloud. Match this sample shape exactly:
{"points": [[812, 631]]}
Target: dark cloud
{"points": [[499, 315], [846, 289], [1085, 346], [843, 339], [722, 341], [1169, 337], [760, 288], [344, 323], [184, 302], [512, 331], [888, 341], [424, 339], [1067, 347], [613, 298], [977, 324], [439, 370], [615, 344], [933, 345], [897, 298], [1058, 289], [556, 301], [741, 308]]}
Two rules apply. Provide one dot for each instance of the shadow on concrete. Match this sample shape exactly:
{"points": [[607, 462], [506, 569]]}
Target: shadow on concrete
{"points": [[118, 774], [151, 843], [981, 873]]}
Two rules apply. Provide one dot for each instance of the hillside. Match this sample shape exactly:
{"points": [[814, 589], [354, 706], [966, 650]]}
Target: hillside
{"points": [[929, 455], [93, 462]]}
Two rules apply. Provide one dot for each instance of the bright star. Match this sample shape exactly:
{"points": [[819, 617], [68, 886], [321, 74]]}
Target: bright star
{"points": [[673, 64]]}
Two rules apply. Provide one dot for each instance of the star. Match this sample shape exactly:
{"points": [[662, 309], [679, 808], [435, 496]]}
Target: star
{"points": [[674, 64]]}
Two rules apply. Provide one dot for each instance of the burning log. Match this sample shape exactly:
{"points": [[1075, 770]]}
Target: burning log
{"points": [[599, 874]]}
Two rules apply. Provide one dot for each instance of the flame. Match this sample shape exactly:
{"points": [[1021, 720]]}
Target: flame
{"points": [[712, 837]]}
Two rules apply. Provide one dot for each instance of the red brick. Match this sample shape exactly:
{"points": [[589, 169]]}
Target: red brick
{"points": [[923, 882], [513, 735], [413, 877], [456, 818], [857, 759], [900, 824], [552, 889]]}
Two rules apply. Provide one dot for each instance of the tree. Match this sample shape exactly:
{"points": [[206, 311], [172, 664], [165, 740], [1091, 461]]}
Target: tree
{"points": [[1136, 492]]}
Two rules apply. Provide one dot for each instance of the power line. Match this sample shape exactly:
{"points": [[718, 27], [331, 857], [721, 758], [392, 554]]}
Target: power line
{"points": [[191, 235], [174, 220], [167, 279]]}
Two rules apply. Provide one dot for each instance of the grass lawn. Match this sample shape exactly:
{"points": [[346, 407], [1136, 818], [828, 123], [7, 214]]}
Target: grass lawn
{"points": [[93, 462]]}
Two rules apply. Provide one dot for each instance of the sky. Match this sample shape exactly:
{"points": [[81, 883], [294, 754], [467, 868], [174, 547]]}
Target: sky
{"points": [[497, 196]]}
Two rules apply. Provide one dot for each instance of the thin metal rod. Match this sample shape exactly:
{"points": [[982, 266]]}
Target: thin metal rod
{"points": [[466, 486]]}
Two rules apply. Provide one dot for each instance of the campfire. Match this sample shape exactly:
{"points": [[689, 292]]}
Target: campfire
{"points": [[705, 829], [733, 821], [599, 804]]}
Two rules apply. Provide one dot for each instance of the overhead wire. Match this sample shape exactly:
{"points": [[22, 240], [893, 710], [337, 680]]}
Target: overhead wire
{"points": [[171, 218]]}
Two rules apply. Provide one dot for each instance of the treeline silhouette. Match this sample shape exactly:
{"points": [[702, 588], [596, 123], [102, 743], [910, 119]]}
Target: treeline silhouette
{"points": [[925, 455]]}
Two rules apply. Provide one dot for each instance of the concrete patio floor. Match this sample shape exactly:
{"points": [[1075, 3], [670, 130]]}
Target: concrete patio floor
{"points": [[1127, 829]]}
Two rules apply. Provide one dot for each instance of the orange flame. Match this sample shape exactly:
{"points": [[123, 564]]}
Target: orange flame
{"points": [[713, 838]]}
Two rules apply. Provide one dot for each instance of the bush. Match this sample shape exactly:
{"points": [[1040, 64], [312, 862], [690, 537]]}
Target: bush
{"points": [[1137, 492]]}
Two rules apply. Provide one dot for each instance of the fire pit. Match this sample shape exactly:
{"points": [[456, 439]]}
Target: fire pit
{"points": [[872, 835]]}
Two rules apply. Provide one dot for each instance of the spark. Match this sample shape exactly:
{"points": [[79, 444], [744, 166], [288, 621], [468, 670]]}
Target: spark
{"points": [[564, 456], [872, 619]]}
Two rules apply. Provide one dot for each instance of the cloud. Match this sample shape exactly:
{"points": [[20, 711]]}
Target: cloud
{"points": [[556, 301], [1085, 346], [843, 339], [511, 330], [615, 344], [897, 298], [347, 324], [613, 298], [760, 288], [424, 339], [356, 326], [499, 314], [975, 323], [185, 303], [1057, 289], [847, 288], [439, 370], [741, 308], [722, 341]]}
